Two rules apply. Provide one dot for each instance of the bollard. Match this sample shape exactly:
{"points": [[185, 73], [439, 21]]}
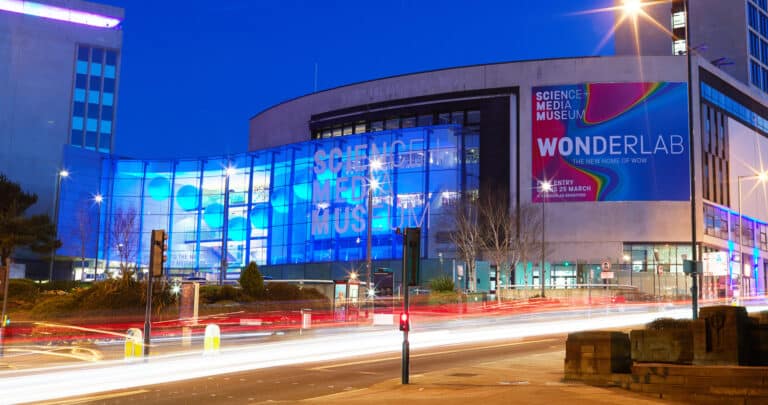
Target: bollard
{"points": [[186, 336], [306, 318], [134, 344], [212, 339]]}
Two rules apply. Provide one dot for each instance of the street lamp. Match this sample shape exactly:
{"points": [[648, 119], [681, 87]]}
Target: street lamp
{"points": [[544, 188], [62, 174], [762, 177]]}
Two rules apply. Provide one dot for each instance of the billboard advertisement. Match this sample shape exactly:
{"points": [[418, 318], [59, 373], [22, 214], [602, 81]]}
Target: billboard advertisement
{"points": [[610, 142]]}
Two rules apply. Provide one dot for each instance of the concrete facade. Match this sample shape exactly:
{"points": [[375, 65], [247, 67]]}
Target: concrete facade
{"points": [[37, 70], [587, 231]]}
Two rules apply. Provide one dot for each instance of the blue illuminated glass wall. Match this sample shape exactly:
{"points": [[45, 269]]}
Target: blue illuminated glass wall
{"points": [[295, 204]]}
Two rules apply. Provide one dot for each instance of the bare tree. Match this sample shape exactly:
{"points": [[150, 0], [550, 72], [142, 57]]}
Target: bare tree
{"points": [[527, 241], [465, 233], [497, 229], [83, 232], [124, 238]]}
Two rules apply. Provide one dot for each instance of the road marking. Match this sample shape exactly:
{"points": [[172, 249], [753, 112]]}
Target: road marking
{"points": [[95, 398], [357, 363]]}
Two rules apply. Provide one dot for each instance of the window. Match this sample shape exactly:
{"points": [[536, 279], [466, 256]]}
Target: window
{"points": [[754, 45], [678, 20], [392, 123], [678, 47], [94, 97], [754, 70]]}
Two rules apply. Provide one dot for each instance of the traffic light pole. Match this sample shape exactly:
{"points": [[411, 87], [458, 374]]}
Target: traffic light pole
{"points": [[406, 357], [148, 316]]}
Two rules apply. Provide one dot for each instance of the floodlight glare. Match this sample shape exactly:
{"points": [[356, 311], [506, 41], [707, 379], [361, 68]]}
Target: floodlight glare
{"points": [[633, 7]]}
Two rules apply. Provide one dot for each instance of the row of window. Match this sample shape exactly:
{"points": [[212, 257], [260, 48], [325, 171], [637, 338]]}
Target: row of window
{"points": [[468, 119], [93, 101], [733, 107], [715, 155], [724, 224], [758, 20]]}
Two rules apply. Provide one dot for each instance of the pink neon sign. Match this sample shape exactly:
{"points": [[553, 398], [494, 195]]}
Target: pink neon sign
{"points": [[58, 13]]}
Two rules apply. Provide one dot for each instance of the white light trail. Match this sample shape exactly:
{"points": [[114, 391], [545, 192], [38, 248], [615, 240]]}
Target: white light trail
{"points": [[47, 384]]}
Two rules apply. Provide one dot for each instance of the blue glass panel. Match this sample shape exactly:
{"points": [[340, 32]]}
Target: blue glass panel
{"points": [[93, 97], [91, 124], [76, 138], [111, 58], [95, 83], [107, 99], [106, 111], [82, 53], [105, 143], [81, 81], [97, 55], [96, 69], [81, 67], [93, 111], [90, 140], [79, 95], [105, 127], [109, 72], [77, 123], [109, 85]]}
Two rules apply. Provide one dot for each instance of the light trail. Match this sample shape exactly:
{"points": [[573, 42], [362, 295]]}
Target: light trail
{"points": [[48, 384]]}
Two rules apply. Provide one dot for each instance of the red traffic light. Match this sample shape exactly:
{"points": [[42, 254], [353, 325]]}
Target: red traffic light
{"points": [[405, 324]]}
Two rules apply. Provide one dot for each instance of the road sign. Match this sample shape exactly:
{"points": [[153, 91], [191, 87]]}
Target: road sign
{"points": [[605, 265], [606, 275]]}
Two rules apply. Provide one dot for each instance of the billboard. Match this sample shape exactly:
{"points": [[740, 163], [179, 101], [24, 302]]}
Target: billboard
{"points": [[611, 142]]}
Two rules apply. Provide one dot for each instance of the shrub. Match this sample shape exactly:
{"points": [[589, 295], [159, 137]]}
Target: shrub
{"points": [[669, 323], [54, 307], [443, 297], [251, 281], [62, 285], [283, 292], [442, 284], [22, 290], [111, 294], [215, 293]]}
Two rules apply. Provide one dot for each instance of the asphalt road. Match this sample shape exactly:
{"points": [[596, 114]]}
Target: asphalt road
{"points": [[294, 383]]}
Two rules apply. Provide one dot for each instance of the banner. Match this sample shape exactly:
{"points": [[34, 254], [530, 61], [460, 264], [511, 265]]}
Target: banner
{"points": [[611, 142]]}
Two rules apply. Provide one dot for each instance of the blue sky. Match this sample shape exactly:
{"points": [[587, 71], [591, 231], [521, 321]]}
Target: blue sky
{"points": [[194, 72]]}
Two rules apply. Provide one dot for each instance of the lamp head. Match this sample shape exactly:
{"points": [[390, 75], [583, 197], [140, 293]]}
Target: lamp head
{"points": [[632, 7]]}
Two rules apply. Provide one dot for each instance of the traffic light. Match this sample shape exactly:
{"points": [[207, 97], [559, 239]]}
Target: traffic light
{"points": [[405, 322], [412, 254], [157, 252]]}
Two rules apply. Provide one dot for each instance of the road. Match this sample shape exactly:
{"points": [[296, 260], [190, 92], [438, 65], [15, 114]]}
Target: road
{"points": [[313, 380]]}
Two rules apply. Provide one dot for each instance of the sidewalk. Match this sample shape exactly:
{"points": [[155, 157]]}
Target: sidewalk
{"points": [[533, 379]]}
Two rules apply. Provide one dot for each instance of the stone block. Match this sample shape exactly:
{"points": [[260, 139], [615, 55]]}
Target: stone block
{"points": [[597, 352], [662, 346], [721, 336]]}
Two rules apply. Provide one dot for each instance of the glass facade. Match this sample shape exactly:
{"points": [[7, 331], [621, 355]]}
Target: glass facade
{"points": [[93, 98], [757, 17], [295, 204]]}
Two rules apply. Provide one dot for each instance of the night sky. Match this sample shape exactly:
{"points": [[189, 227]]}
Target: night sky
{"points": [[194, 72]]}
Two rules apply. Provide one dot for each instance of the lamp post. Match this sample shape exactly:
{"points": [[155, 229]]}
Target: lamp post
{"points": [[98, 198], [62, 174], [634, 8], [626, 266], [544, 188], [373, 184], [762, 177]]}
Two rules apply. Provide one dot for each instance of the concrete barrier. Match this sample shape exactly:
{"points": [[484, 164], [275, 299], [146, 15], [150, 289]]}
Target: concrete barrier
{"points": [[212, 339], [134, 344], [596, 353]]}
